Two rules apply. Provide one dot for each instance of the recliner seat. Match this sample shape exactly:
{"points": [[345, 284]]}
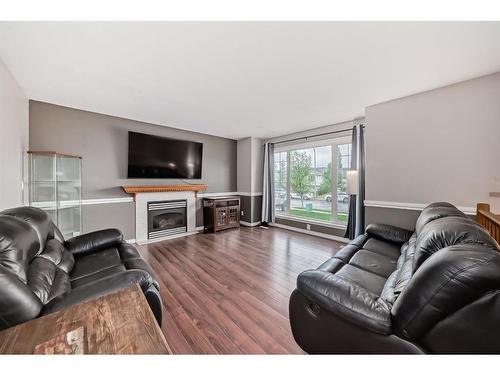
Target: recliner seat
{"points": [[40, 273], [434, 290]]}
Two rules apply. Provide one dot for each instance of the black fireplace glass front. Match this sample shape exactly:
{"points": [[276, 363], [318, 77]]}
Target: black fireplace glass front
{"points": [[166, 215], [169, 220]]}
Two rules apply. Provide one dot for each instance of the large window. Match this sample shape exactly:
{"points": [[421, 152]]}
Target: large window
{"points": [[310, 181]]}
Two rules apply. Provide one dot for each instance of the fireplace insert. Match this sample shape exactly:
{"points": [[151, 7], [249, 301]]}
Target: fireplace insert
{"points": [[166, 218]]}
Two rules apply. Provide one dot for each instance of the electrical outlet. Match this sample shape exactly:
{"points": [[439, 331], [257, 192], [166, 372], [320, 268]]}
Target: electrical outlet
{"points": [[308, 226], [242, 213]]}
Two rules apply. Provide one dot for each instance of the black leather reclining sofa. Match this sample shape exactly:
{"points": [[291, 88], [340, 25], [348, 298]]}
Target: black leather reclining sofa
{"points": [[434, 290], [41, 273]]}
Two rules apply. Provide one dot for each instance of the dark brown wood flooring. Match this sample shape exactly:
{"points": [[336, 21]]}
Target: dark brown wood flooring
{"points": [[228, 292]]}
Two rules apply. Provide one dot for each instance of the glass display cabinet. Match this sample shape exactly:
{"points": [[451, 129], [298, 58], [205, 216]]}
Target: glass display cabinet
{"points": [[55, 185]]}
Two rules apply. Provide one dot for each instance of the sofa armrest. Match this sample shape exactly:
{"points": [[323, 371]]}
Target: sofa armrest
{"points": [[389, 233], [90, 242], [346, 300]]}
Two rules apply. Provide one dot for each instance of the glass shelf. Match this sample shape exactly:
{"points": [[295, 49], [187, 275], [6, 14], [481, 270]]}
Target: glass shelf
{"points": [[50, 181], [56, 187]]}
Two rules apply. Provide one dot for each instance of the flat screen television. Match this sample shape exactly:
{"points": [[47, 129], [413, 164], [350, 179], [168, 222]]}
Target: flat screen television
{"points": [[150, 156]]}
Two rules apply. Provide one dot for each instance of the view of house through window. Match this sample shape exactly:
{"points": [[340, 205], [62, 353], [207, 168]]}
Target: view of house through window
{"points": [[310, 181]]}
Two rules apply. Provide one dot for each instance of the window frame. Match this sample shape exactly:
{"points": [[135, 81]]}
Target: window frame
{"points": [[295, 146]]}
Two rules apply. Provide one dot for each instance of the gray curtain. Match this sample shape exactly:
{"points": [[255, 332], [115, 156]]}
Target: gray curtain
{"points": [[356, 219], [268, 185]]}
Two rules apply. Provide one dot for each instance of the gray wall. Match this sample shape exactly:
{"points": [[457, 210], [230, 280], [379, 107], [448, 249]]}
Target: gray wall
{"points": [[13, 139], [102, 141], [116, 215], [398, 217], [244, 160], [250, 170], [436, 145]]}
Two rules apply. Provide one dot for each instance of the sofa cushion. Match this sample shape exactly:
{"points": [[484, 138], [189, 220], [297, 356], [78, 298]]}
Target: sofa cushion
{"points": [[374, 262], [404, 269], [347, 252], [46, 280], [381, 247], [346, 300], [48, 272], [100, 287], [81, 281], [56, 253], [388, 291], [17, 302], [19, 243], [95, 262], [366, 261], [37, 219], [367, 280], [332, 265]]}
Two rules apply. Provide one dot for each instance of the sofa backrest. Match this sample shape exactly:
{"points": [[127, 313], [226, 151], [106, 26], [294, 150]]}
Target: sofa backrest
{"points": [[405, 265], [34, 265], [446, 282], [455, 263], [449, 231], [431, 213]]}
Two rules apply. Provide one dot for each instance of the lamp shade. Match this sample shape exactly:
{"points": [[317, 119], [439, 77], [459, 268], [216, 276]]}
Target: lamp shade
{"points": [[352, 182]]}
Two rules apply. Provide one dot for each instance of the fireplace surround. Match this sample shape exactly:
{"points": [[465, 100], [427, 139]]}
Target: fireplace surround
{"points": [[145, 195]]}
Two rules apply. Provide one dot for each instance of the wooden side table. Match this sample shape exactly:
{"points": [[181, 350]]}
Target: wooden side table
{"points": [[221, 213], [118, 323]]}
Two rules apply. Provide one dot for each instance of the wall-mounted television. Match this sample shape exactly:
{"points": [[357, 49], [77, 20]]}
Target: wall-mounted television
{"points": [[150, 156]]}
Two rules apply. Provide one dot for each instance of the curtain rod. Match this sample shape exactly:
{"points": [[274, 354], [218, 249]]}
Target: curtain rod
{"points": [[315, 135]]}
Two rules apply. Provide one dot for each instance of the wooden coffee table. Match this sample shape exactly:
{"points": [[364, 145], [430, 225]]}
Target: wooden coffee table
{"points": [[119, 323]]}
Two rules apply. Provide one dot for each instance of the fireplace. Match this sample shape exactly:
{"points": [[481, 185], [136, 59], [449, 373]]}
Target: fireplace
{"points": [[167, 218], [148, 231]]}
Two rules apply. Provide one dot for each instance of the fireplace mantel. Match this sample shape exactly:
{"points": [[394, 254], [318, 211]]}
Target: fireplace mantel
{"points": [[162, 188]]}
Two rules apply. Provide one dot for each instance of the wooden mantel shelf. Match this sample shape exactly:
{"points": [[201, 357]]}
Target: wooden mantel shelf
{"points": [[162, 188]]}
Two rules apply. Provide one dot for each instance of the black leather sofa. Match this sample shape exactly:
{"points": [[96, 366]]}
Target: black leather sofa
{"points": [[434, 290], [41, 273]]}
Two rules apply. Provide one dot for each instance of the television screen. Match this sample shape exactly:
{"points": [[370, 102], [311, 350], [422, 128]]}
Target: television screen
{"points": [[150, 156]]}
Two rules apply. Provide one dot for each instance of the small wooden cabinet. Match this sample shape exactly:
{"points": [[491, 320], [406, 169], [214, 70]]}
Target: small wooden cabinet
{"points": [[221, 213]]}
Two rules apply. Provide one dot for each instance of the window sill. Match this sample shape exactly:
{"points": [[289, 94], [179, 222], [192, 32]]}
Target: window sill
{"points": [[311, 221]]}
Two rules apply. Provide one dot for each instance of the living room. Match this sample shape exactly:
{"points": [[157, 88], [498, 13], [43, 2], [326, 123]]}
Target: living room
{"points": [[249, 187]]}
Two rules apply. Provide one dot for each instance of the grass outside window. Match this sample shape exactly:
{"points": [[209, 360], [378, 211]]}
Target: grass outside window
{"points": [[319, 215]]}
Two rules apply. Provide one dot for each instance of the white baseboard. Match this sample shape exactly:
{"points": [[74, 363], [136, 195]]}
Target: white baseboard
{"points": [[130, 241], [310, 232], [247, 224], [200, 228]]}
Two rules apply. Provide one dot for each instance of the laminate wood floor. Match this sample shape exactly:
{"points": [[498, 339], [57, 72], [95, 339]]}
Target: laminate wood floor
{"points": [[228, 292]]}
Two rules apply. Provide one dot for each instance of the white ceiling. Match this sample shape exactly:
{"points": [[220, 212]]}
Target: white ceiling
{"points": [[242, 79]]}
